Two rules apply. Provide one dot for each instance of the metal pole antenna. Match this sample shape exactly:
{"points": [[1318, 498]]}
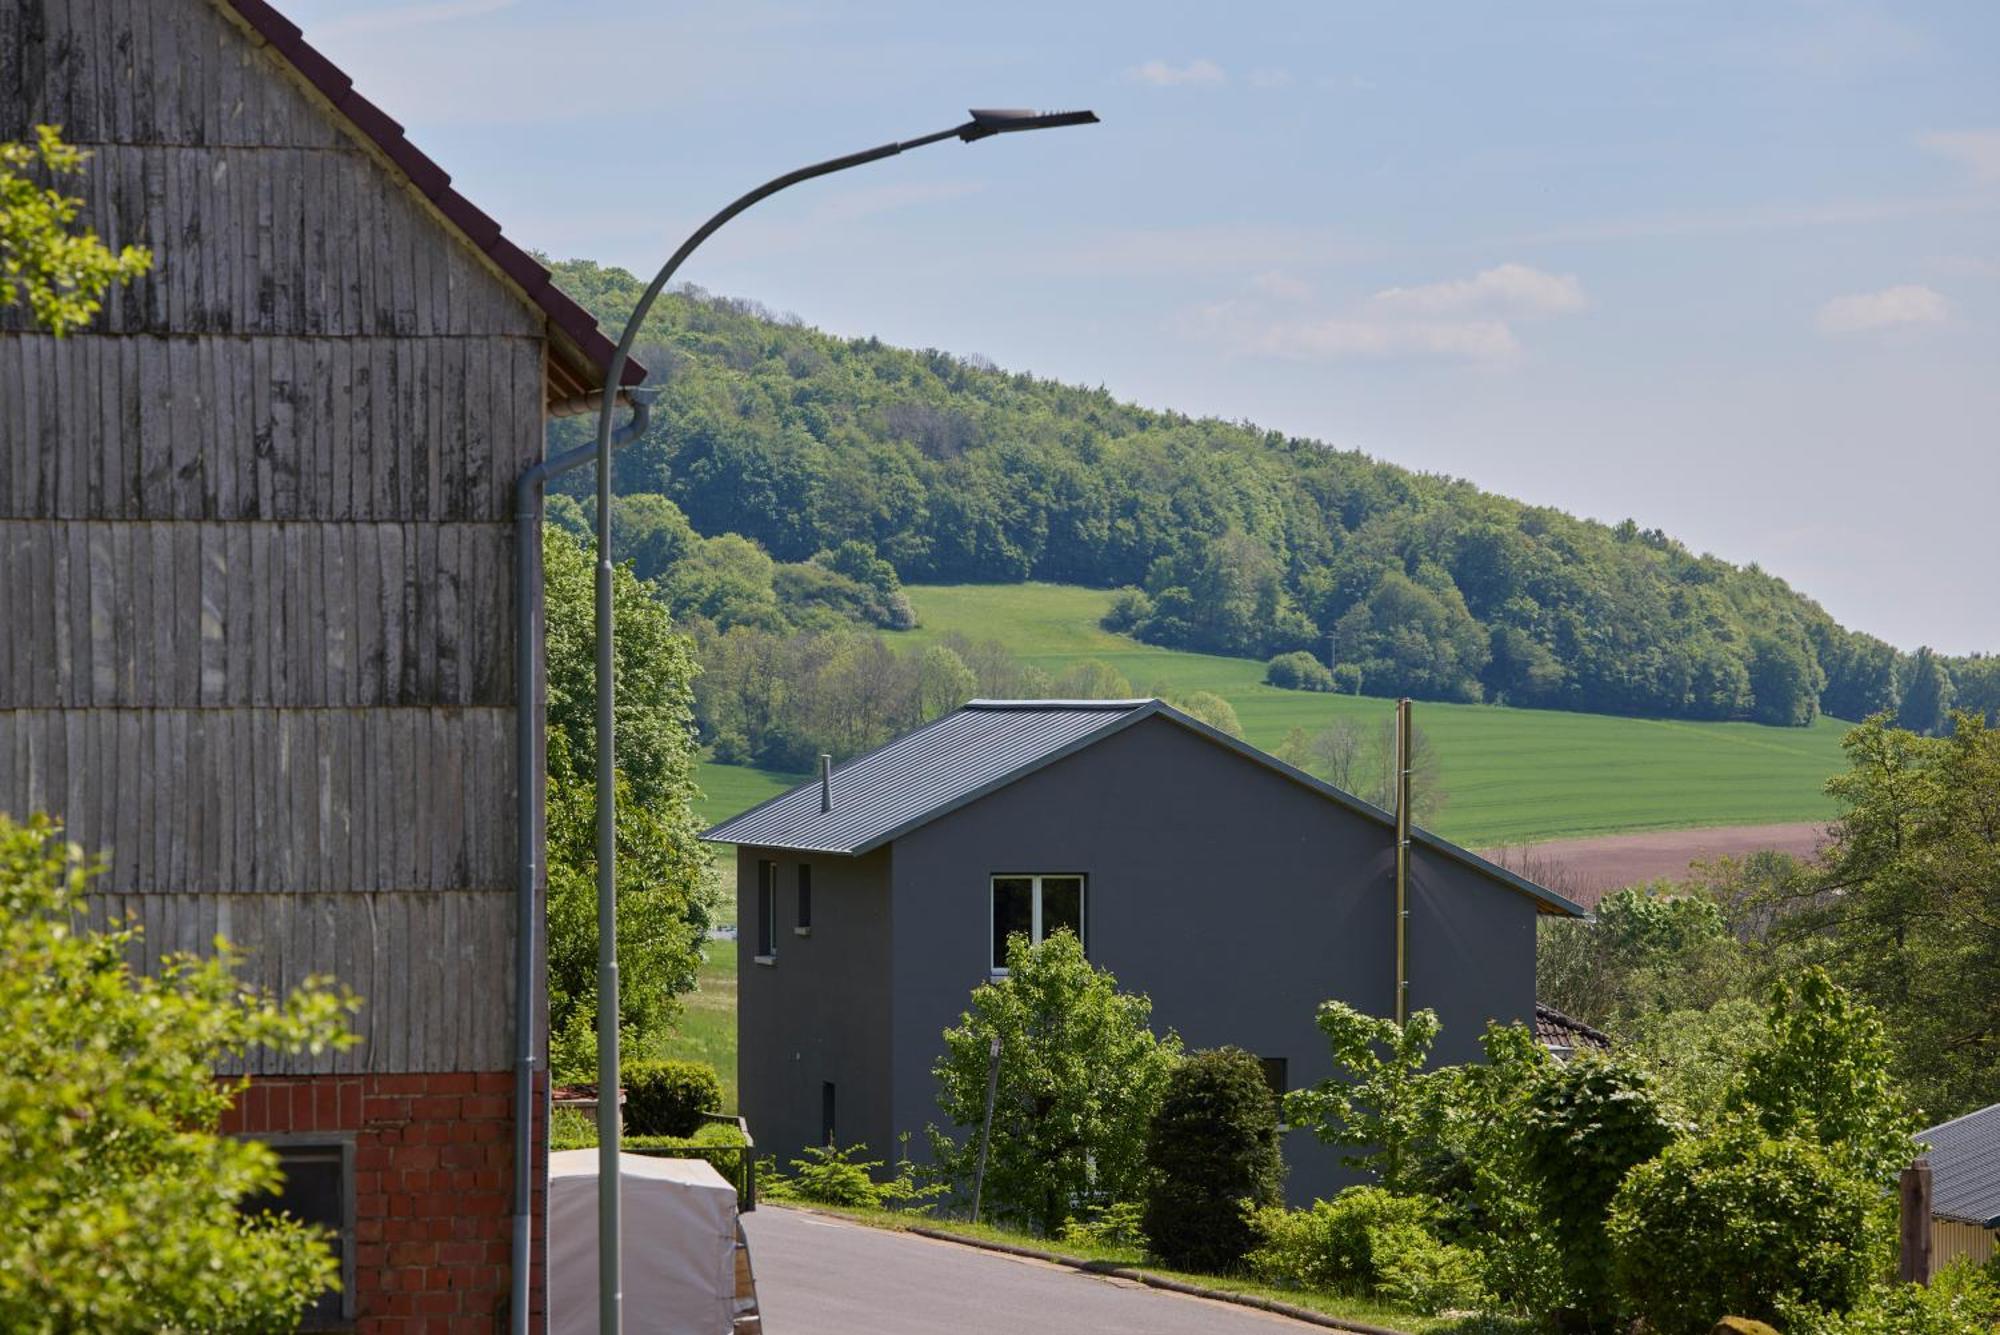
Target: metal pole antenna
{"points": [[983, 125]]}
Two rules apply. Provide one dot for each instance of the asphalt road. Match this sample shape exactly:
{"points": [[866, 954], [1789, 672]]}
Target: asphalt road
{"points": [[821, 1276]]}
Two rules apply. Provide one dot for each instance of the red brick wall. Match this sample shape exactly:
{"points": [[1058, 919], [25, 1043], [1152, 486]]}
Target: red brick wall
{"points": [[433, 1190]]}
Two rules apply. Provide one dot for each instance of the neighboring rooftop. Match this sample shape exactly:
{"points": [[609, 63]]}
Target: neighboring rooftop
{"points": [[987, 744], [581, 352], [1965, 1168], [1566, 1037]]}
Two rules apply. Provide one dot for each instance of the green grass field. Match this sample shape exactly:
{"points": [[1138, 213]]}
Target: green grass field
{"points": [[1513, 775], [707, 1028]]}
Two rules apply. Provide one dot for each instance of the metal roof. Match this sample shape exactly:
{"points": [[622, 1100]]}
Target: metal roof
{"points": [[1965, 1168], [987, 744]]}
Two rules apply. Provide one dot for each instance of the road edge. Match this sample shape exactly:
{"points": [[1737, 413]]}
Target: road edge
{"points": [[1150, 1280]]}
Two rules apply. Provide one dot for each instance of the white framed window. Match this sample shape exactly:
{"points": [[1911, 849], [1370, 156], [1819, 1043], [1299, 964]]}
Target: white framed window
{"points": [[1034, 906]]}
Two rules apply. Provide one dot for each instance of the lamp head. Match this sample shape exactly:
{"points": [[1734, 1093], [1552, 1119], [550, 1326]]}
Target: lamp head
{"points": [[991, 121]]}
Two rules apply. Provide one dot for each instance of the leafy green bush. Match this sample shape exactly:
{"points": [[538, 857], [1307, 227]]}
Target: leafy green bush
{"points": [[829, 1175], [1298, 671], [1118, 1225], [1418, 1272], [1347, 678], [1589, 1122], [1743, 1225], [1961, 1299], [1333, 1244], [1212, 1149], [667, 1098]]}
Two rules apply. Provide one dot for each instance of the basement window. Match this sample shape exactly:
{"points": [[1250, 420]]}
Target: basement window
{"points": [[318, 1190], [1034, 906]]}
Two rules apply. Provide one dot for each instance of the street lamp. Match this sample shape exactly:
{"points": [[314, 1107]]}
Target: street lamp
{"points": [[983, 125]]}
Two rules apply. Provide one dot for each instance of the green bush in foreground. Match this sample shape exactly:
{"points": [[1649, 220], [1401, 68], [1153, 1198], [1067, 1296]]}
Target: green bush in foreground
{"points": [[1961, 1299], [667, 1098], [1213, 1151], [1742, 1226], [1332, 1244], [119, 1201], [829, 1175]]}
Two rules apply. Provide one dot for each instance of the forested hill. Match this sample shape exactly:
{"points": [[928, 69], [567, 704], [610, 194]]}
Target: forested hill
{"points": [[1235, 540]]}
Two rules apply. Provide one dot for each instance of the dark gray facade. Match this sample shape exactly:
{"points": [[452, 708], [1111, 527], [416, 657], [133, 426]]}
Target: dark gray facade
{"points": [[1236, 894]]}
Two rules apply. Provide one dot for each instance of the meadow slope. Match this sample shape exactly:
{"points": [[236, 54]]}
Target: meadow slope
{"points": [[1514, 775]]}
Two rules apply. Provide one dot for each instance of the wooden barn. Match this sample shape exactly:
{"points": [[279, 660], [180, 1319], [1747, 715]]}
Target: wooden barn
{"points": [[257, 529]]}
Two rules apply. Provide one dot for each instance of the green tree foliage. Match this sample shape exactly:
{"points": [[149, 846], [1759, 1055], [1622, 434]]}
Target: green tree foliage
{"points": [[1298, 671], [1589, 1123], [1901, 908], [1210, 708], [119, 1200], [1232, 539], [1742, 1225], [1822, 1075], [1213, 1150], [663, 902], [944, 682], [1925, 705], [62, 270], [1786, 1199], [1697, 1055], [1081, 1073], [1380, 1103]]}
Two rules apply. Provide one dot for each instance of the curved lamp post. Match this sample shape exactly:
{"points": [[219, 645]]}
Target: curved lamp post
{"points": [[983, 125]]}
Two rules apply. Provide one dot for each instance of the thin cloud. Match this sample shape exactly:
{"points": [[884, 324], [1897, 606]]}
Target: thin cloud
{"points": [[398, 17], [1196, 73], [1908, 304], [1247, 330], [1509, 289], [1978, 151], [1270, 78]]}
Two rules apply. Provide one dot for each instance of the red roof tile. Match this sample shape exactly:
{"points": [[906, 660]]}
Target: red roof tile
{"points": [[591, 353]]}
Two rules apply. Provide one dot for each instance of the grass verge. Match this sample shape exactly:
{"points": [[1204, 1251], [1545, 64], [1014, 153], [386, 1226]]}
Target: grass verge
{"points": [[1356, 1312]]}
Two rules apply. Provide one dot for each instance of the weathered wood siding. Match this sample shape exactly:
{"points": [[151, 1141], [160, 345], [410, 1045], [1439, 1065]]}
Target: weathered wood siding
{"points": [[255, 525]]}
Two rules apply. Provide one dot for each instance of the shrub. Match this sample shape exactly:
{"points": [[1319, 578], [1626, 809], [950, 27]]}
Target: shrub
{"points": [[1420, 1273], [1129, 607], [829, 1175], [1589, 1123], [1298, 671], [1745, 1225], [1212, 1149], [667, 1098], [1333, 1244], [1118, 1225], [1961, 1299], [1347, 678]]}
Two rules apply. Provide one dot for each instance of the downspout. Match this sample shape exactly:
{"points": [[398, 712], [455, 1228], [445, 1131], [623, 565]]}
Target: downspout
{"points": [[528, 795]]}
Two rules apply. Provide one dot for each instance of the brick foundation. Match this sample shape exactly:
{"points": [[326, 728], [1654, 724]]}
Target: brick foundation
{"points": [[433, 1190]]}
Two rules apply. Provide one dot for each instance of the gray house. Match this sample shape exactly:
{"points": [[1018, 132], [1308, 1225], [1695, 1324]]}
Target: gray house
{"points": [[1236, 891]]}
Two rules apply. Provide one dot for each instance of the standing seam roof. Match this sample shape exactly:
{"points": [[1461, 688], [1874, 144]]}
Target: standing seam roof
{"points": [[989, 743], [941, 765], [1965, 1168]]}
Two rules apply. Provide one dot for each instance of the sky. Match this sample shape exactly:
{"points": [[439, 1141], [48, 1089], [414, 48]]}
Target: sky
{"points": [[1730, 270]]}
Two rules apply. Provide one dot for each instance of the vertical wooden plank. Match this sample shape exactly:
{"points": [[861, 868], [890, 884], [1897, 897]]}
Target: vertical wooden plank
{"points": [[340, 429], [185, 541]]}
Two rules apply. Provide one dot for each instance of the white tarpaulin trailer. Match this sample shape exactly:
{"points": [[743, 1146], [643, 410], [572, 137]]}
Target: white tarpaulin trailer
{"points": [[679, 1246]]}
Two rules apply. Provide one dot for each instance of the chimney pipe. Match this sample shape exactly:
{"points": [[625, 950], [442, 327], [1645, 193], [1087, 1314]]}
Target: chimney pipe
{"points": [[825, 782]]}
